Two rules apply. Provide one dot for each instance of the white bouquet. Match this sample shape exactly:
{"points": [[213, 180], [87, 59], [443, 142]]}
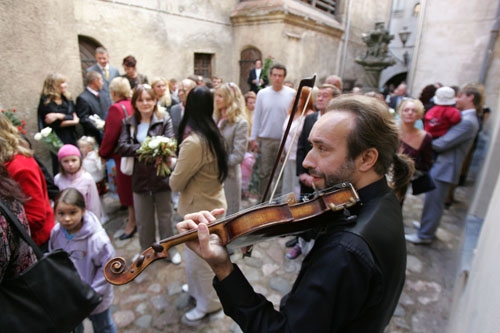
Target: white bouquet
{"points": [[98, 122], [157, 150], [49, 138]]}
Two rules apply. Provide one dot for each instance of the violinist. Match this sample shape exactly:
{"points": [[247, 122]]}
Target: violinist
{"points": [[352, 278]]}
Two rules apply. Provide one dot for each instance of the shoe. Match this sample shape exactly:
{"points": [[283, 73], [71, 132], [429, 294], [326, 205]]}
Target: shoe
{"points": [[176, 259], [185, 287], [195, 315], [292, 242], [413, 238], [416, 224], [294, 252], [127, 236]]}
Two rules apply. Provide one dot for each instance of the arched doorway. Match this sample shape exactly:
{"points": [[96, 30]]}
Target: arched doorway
{"points": [[247, 58], [87, 47], [394, 81]]}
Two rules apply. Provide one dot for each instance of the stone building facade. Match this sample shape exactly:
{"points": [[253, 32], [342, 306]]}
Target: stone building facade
{"points": [[174, 39]]}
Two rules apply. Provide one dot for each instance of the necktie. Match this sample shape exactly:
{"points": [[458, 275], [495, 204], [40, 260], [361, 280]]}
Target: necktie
{"points": [[106, 74]]}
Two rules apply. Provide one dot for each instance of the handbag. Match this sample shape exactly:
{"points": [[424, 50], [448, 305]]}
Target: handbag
{"points": [[127, 162], [422, 184], [49, 296]]}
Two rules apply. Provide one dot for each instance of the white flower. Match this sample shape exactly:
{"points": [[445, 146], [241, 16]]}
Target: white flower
{"points": [[38, 136], [46, 131], [154, 143], [98, 122]]}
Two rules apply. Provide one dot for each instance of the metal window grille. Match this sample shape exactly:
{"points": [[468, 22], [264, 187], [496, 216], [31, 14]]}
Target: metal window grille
{"points": [[203, 64]]}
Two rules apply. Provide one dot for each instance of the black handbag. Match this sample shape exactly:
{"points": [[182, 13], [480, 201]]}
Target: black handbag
{"points": [[422, 184], [49, 296]]}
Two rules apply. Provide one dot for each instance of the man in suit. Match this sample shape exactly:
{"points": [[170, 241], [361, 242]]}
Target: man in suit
{"points": [[88, 103], [451, 148], [399, 94], [255, 77], [108, 73]]}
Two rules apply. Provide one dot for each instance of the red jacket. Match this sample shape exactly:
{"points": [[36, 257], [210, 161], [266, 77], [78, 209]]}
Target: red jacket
{"points": [[440, 118], [40, 215]]}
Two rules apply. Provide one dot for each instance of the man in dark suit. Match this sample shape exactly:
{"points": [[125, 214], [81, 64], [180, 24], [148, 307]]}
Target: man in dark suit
{"points": [[256, 78], [88, 103], [108, 73]]}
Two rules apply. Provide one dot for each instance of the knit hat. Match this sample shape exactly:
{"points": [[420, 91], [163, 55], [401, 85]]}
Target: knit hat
{"points": [[68, 150], [444, 96]]}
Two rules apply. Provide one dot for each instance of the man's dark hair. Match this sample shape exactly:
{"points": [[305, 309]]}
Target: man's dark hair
{"points": [[278, 66]]}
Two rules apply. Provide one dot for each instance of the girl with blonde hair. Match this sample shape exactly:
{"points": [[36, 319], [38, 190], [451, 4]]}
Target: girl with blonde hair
{"points": [[160, 86]]}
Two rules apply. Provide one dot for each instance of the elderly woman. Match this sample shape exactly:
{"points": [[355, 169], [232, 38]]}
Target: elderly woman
{"points": [[120, 92]]}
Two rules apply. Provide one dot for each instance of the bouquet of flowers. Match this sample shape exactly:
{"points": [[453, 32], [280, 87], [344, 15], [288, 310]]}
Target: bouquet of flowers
{"points": [[98, 122], [50, 139], [157, 150], [20, 124]]}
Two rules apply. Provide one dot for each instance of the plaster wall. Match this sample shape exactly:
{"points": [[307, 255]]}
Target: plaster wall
{"points": [[477, 296], [162, 36], [452, 45], [37, 38]]}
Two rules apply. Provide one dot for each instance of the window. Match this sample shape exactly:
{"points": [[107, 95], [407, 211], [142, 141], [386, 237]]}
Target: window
{"points": [[328, 6], [203, 64]]}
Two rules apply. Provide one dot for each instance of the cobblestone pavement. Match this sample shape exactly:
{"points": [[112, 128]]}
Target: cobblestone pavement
{"points": [[154, 302]]}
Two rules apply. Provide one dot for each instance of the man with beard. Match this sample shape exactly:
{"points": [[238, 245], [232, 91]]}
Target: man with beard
{"points": [[352, 278]]}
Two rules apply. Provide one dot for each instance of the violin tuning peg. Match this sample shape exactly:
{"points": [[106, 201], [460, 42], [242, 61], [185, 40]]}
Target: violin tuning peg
{"points": [[140, 261], [157, 247]]}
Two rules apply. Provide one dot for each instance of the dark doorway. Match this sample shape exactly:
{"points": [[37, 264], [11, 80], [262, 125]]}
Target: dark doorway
{"points": [[87, 47], [247, 58], [394, 81]]}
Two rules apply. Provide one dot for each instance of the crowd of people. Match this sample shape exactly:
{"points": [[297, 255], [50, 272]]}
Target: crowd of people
{"points": [[228, 139]]}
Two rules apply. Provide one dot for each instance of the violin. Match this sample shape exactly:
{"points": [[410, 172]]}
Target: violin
{"points": [[251, 226]]}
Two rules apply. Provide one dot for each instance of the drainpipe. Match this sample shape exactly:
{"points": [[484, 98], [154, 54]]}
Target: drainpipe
{"points": [[489, 50], [346, 39]]}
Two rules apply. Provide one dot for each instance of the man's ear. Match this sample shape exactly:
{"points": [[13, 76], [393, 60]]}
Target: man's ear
{"points": [[367, 159]]}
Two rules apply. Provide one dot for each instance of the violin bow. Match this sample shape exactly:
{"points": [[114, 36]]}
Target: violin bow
{"points": [[307, 82]]}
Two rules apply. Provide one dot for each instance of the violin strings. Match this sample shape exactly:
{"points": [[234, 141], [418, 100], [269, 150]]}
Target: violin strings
{"points": [[293, 140]]}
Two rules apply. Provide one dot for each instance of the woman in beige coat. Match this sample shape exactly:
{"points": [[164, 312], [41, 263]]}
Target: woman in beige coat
{"points": [[198, 175], [229, 106]]}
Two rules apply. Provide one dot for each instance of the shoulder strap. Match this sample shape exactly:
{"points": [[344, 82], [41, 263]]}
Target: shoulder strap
{"points": [[14, 222], [124, 110]]}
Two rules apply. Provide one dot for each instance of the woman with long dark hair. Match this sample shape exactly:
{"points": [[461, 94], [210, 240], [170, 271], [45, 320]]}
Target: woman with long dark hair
{"points": [[199, 175]]}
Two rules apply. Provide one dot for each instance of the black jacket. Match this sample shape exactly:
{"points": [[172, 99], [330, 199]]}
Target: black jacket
{"points": [[144, 178], [349, 282], [88, 104]]}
